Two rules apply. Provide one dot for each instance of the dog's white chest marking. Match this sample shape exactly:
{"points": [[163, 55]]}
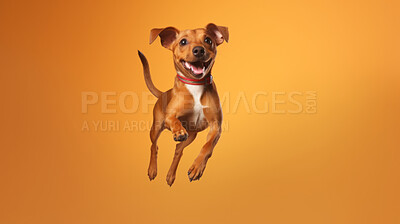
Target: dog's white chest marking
{"points": [[197, 92]]}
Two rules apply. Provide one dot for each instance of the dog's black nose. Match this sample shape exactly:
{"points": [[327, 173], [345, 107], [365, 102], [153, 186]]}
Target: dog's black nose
{"points": [[198, 51]]}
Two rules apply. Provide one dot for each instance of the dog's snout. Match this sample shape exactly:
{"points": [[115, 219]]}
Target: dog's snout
{"points": [[198, 51]]}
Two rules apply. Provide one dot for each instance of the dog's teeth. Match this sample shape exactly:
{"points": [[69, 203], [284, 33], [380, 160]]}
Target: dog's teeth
{"points": [[187, 65]]}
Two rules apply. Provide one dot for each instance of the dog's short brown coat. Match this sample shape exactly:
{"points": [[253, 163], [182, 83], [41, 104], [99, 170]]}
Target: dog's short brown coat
{"points": [[186, 109]]}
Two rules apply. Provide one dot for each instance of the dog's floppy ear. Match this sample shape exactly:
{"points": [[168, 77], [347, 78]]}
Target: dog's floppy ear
{"points": [[167, 35], [220, 32]]}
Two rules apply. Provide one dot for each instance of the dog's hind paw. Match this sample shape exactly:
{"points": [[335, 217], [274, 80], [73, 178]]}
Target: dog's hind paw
{"points": [[170, 178], [152, 172], [180, 136]]}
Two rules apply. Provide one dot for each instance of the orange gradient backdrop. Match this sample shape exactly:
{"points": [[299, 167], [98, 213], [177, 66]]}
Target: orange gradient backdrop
{"points": [[338, 165]]}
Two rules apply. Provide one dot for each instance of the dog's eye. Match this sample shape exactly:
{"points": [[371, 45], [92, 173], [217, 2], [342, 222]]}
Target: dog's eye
{"points": [[208, 40], [183, 42]]}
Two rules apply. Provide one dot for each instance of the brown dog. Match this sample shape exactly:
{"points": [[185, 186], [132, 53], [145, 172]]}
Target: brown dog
{"points": [[193, 103]]}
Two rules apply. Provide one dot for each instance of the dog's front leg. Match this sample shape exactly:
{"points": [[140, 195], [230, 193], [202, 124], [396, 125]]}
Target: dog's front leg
{"points": [[174, 124], [198, 166], [175, 109]]}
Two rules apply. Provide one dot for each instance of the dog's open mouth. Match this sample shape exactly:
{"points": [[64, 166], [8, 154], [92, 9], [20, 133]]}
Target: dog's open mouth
{"points": [[196, 68]]}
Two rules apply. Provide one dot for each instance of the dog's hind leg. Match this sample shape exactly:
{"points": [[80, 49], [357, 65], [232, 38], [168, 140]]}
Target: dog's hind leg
{"points": [[177, 157], [156, 129]]}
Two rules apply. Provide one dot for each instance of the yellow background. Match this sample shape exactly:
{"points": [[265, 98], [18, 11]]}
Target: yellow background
{"points": [[339, 165]]}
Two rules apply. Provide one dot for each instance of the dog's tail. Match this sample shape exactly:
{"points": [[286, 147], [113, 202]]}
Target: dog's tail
{"points": [[146, 70]]}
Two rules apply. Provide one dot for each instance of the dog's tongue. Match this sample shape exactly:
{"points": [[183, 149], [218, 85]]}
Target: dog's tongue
{"points": [[197, 70]]}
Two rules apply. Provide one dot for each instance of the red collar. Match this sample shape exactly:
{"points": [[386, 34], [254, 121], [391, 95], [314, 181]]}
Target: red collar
{"points": [[204, 81]]}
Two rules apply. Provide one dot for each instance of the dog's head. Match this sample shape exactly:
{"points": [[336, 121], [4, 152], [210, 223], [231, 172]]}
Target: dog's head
{"points": [[194, 50]]}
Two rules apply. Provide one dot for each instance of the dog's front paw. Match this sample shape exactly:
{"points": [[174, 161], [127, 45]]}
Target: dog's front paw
{"points": [[197, 169], [180, 135]]}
